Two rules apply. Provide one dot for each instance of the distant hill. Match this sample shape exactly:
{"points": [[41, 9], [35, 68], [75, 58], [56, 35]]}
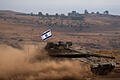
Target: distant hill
{"points": [[91, 22], [102, 22], [93, 30], [9, 12]]}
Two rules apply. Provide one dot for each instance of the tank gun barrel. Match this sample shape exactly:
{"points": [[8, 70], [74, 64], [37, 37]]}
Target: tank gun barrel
{"points": [[81, 55], [85, 55]]}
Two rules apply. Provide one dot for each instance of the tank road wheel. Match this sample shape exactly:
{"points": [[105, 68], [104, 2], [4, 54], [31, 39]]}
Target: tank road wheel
{"points": [[102, 69]]}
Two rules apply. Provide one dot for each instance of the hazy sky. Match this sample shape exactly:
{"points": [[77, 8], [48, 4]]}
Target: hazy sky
{"points": [[60, 6]]}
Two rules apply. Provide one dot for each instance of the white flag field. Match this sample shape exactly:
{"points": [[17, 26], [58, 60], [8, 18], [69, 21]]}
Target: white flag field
{"points": [[47, 34]]}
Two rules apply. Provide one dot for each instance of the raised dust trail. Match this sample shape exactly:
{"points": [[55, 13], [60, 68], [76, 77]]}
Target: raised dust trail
{"points": [[19, 65]]}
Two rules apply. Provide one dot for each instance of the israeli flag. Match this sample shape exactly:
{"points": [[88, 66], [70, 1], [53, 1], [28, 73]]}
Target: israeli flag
{"points": [[46, 35]]}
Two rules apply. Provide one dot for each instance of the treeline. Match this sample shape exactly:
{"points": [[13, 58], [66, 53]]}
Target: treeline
{"points": [[73, 13]]}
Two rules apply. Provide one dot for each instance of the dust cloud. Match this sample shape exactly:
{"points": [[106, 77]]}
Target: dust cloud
{"points": [[19, 65]]}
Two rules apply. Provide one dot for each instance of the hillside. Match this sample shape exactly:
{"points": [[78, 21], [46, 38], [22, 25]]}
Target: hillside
{"points": [[8, 12], [103, 22], [88, 30]]}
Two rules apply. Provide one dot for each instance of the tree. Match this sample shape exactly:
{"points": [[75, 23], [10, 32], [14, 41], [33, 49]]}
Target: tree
{"points": [[31, 14], [97, 12], [106, 12], [40, 14], [47, 14], [56, 15], [86, 12], [92, 13], [62, 15]]}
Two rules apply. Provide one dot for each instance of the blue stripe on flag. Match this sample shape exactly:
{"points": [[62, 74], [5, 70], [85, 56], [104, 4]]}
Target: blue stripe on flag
{"points": [[45, 32]]}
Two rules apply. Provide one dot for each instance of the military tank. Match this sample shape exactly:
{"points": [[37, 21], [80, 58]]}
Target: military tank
{"points": [[99, 64]]}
